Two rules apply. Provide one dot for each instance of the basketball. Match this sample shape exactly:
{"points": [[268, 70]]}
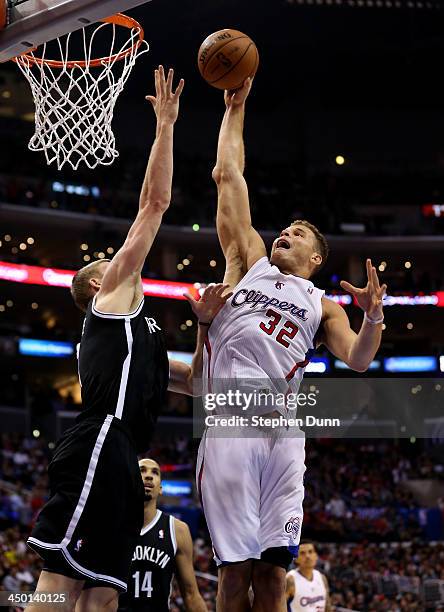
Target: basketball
{"points": [[226, 58]]}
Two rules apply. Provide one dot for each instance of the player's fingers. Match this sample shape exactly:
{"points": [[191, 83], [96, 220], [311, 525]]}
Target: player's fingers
{"points": [[382, 290], [157, 81], [350, 288], [189, 298], [152, 99], [169, 82], [224, 287], [179, 89], [220, 288], [162, 80], [368, 265], [375, 278]]}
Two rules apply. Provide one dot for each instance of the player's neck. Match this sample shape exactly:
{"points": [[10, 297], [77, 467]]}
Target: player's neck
{"points": [[149, 512], [299, 272], [307, 573]]}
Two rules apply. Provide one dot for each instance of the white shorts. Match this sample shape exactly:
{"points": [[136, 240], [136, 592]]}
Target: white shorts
{"points": [[251, 490]]}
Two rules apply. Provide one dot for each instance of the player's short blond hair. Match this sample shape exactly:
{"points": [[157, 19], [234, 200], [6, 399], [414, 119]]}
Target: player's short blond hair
{"points": [[81, 290], [321, 242]]}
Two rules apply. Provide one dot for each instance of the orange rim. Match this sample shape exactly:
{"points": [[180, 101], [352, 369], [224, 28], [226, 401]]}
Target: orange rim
{"points": [[118, 19]]}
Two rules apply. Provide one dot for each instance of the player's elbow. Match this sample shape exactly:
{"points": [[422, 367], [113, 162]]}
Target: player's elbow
{"points": [[157, 204], [359, 367], [190, 596], [225, 172]]}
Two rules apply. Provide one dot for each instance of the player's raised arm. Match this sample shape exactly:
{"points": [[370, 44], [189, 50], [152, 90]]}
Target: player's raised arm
{"points": [[186, 379], [356, 350], [185, 575], [241, 244], [124, 270]]}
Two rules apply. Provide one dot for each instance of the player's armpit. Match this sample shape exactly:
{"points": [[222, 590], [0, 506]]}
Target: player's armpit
{"points": [[185, 575]]}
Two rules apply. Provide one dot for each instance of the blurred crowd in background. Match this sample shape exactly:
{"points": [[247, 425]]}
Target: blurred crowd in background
{"points": [[369, 529]]}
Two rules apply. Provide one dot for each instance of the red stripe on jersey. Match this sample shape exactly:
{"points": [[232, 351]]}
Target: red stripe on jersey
{"points": [[301, 364]]}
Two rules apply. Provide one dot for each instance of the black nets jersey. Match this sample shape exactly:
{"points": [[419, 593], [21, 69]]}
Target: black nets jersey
{"points": [[123, 370], [152, 567]]}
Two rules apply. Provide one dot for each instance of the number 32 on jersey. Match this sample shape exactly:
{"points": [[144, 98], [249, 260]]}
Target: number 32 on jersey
{"points": [[287, 331]]}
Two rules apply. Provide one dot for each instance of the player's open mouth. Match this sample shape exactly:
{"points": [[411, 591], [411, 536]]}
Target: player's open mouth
{"points": [[282, 244]]}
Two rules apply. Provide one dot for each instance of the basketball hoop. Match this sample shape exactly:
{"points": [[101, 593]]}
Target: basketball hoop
{"points": [[75, 99]]}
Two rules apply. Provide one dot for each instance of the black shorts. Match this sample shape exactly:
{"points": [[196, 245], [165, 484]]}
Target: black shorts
{"points": [[89, 527]]}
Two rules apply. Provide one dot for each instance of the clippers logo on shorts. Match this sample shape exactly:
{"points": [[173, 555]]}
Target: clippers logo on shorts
{"points": [[293, 525], [257, 298], [152, 325]]}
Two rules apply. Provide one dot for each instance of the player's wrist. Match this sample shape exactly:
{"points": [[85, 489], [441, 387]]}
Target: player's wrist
{"points": [[374, 318], [204, 323], [165, 123]]}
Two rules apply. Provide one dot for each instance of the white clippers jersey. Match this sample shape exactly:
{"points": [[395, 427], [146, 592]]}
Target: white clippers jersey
{"points": [[311, 595], [266, 330]]}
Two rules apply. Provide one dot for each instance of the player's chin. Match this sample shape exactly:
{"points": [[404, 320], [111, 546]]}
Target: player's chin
{"points": [[147, 496], [278, 257]]}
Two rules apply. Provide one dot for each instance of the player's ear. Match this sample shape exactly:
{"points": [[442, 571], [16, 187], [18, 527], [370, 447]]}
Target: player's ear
{"points": [[316, 258], [95, 283]]}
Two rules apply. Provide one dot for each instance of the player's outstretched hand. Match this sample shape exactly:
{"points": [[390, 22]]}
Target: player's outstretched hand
{"points": [[166, 102], [370, 299], [237, 97], [211, 301]]}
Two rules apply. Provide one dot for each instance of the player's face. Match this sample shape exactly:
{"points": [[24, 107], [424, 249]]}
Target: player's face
{"points": [[293, 248], [150, 472], [307, 557]]}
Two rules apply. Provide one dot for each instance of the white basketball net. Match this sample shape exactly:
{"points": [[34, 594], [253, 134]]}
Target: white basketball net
{"points": [[74, 106]]}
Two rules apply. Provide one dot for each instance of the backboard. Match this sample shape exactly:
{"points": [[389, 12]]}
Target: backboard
{"points": [[30, 23]]}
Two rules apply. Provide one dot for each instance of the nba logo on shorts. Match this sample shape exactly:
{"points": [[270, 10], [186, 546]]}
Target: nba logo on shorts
{"points": [[293, 525]]}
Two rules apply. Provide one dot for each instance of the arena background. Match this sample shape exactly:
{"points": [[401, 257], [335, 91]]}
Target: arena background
{"points": [[358, 79]]}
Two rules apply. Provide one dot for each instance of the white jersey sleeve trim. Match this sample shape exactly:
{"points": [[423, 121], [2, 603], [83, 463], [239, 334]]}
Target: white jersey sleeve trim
{"points": [[111, 315], [173, 533]]}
